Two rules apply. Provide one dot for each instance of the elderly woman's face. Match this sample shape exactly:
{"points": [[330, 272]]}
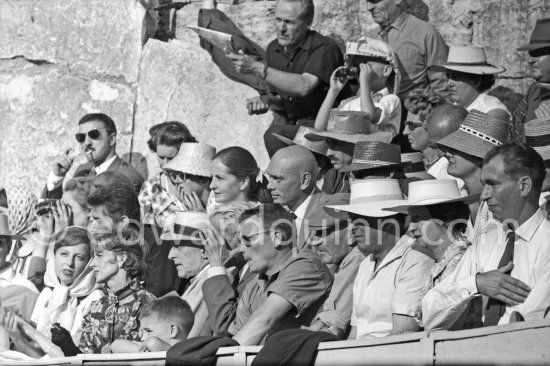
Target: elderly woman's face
{"points": [[461, 87], [70, 262], [105, 264]]}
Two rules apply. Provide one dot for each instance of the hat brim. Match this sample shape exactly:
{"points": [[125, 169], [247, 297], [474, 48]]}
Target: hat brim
{"points": [[433, 201], [12, 237], [544, 152], [351, 138], [466, 143], [187, 240], [371, 209], [289, 142], [353, 167], [533, 46], [478, 70]]}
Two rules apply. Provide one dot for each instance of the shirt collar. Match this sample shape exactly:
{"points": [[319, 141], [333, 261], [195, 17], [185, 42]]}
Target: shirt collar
{"points": [[105, 165], [381, 93], [399, 22], [305, 44], [300, 212], [200, 274], [278, 266], [526, 230], [398, 251]]}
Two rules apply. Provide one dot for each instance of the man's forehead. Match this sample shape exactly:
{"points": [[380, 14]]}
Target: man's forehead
{"points": [[251, 225], [91, 125], [289, 10], [493, 168]]}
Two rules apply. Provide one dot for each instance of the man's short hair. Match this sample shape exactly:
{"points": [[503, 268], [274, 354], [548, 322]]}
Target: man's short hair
{"points": [[171, 308], [520, 160], [107, 121], [119, 200], [308, 9], [273, 217]]}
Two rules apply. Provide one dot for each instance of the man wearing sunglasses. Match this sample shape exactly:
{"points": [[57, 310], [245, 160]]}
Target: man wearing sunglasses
{"points": [[97, 138]]}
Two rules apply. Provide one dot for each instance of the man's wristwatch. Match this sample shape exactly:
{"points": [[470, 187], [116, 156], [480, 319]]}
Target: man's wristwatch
{"points": [[263, 74]]}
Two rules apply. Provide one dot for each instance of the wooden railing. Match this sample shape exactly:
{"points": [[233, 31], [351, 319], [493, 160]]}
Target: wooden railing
{"points": [[525, 343]]}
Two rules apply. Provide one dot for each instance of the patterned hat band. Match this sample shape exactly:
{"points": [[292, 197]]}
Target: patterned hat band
{"points": [[480, 135]]}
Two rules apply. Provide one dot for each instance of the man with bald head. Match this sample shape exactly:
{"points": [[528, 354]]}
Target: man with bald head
{"points": [[291, 175], [444, 120]]}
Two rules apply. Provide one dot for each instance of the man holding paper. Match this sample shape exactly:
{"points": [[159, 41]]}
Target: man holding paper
{"points": [[297, 69]]}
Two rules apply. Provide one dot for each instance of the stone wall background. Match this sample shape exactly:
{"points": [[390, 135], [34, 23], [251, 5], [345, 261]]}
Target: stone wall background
{"points": [[62, 59]]}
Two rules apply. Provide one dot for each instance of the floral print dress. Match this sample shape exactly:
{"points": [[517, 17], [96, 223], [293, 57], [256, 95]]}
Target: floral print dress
{"points": [[114, 316]]}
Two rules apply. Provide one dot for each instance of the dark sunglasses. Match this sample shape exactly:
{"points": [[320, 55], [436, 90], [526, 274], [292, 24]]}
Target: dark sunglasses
{"points": [[176, 177], [93, 134]]}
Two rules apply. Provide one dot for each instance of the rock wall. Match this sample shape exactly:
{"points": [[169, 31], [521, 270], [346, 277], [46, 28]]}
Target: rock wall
{"points": [[62, 59]]}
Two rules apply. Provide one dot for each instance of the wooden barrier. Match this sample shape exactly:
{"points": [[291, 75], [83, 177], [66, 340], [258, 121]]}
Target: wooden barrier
{"points": [[514, 344]]}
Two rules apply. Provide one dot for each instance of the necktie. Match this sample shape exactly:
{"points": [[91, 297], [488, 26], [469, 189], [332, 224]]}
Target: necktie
{"points": [[496, 308]]}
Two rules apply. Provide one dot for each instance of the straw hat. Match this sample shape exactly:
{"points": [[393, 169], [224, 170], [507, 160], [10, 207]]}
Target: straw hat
{"points": [[431, 192], [321, 219], [5, 232], [318, 147], [540, 38], [187, 227], [374, 154], [537, 135], [369, 196], [415, 160], [349, 126], [471, 60], [477, 134], [193, 158], [374, 48]]}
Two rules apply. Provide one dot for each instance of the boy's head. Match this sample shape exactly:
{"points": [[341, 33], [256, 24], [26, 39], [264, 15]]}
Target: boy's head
{"points": [[169, 318]]}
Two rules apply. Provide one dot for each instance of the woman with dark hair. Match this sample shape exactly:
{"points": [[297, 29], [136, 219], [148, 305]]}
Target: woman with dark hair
{"points": [[158, 195], [470, 77], [237, 177], [119, 266]]}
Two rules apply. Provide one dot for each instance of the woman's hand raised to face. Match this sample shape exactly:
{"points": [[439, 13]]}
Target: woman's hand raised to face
{"points": [[191, 201], [216, 247]]}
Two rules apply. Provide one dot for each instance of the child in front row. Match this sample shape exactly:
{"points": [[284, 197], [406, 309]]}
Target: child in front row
{"points": [[164, 323], [374, 70]]}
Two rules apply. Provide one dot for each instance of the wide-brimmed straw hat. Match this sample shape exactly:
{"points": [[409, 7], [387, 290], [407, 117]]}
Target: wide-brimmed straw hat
{"points": [[537, 135], [477, 134], [349, 126], [187, 227], [322, 220], [5, 232], [374, 154], [319, 147], [369, 197], [193, 158], [471, 60], [415, 162], [540, 38], [433, 192]]}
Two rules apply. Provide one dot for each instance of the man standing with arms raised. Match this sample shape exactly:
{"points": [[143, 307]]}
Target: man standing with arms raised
{"points": [[298, 69]]}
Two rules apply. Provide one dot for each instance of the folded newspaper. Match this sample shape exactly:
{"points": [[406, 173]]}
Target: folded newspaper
{"points": [[221, 40]]}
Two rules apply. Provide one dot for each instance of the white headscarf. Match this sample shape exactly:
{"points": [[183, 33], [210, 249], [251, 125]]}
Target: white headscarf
{"points": [[58, 303]]}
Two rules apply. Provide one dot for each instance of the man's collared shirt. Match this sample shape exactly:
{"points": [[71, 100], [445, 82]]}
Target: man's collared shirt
{"points": [[316, 55], [105, 165], [394, 287], [335, 316], [443, 304], [303, 280], [418, 46], [301, 213]]}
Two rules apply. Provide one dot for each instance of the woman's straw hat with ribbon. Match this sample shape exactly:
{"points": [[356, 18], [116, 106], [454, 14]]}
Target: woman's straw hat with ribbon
{"points": [[537, 135], [351, 127], [193, 158], [374, 154], [318, 147], [477, 134], [471, 60]]}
